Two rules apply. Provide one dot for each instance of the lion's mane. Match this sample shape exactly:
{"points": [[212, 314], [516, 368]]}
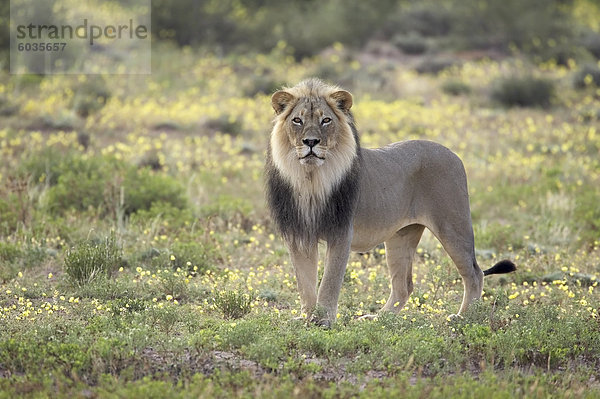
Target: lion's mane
{"points": [[302, 221]]}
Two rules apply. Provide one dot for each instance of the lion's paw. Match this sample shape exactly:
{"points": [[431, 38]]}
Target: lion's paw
{"points": [[321, 322]]}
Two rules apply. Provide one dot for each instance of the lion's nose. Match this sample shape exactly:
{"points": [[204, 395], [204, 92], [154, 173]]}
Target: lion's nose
{"points": [[311, 142]]}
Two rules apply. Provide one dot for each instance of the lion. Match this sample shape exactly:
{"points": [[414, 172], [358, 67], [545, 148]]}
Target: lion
{"points": [[322, 186]]}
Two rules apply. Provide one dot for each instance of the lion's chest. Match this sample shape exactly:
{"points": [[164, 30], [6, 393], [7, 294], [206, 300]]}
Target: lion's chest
{"points": [[311, 194]]}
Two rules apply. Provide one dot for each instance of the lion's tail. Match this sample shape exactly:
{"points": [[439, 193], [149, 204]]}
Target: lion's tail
{"points": [[504, 266]]}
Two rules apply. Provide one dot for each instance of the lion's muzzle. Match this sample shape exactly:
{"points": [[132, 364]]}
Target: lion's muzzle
{"points": [[311, 153]]}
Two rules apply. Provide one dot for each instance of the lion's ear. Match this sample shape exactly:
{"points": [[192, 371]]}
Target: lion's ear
{"points": [[343, 99], [280, 100]]}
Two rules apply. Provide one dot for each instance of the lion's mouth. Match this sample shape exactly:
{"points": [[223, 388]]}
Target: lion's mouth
{"points": [[311, 154]]}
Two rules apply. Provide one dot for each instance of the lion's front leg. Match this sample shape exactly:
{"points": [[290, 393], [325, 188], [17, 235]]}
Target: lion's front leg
{"points": [[305, 265], [338, 250]]}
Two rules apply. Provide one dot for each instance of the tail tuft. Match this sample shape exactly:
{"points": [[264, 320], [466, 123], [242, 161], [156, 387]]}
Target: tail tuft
{"points": [[502, 267]]}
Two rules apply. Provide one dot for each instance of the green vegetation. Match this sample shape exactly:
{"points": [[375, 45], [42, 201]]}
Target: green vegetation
{"points": [[89, 261], [455, 88], [587, 76], [543, 28], [233, 304], [523, 92], [137, 258]]}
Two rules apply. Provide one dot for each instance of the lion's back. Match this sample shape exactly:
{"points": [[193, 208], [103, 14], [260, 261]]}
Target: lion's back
{"points": [[410, 162], [403, 182]]}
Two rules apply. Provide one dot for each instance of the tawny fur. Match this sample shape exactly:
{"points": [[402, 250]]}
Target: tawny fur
{"points": [[355, 198]]}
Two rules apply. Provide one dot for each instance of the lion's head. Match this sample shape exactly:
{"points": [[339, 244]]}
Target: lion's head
{"points": [[313, 128]]}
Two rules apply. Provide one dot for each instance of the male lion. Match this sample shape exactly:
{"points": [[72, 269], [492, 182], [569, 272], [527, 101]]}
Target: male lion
{"points": [[321, 185]]}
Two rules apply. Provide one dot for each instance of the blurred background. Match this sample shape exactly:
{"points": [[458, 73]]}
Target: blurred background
{"points": [[546, 29]]}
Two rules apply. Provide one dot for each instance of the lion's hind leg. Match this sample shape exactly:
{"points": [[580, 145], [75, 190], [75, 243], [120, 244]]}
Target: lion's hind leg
{"points": [[400, 251], [459, 244]]}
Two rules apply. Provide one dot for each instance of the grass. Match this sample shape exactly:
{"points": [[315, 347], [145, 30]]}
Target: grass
{"points": [[198, 298], [89, 261], [232, 304]]}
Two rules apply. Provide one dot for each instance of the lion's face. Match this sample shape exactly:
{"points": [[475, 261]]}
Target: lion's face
{"points": [[312, 125]]}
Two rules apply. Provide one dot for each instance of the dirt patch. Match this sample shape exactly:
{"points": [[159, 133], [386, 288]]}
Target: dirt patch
{"points": [[187, 362]]}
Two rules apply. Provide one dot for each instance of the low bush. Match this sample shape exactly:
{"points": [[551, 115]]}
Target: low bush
{"points": [[434, 65], [9, 254], [83, 183], [588, 75], [194, 257], [170, 217], [90, 96], [10, 214], [7, 107], [88, 261], [225, 124], [15, 258], [523, 92], [587, 214], [47, 165], [143, 188], [411, 44], [18, 356], [591, 42], [455, 88], [225, 206], [109, 186], [233, 304]]}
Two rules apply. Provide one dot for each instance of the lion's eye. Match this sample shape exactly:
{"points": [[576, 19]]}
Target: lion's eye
{"points": [[297, 121], [325, 121]]}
